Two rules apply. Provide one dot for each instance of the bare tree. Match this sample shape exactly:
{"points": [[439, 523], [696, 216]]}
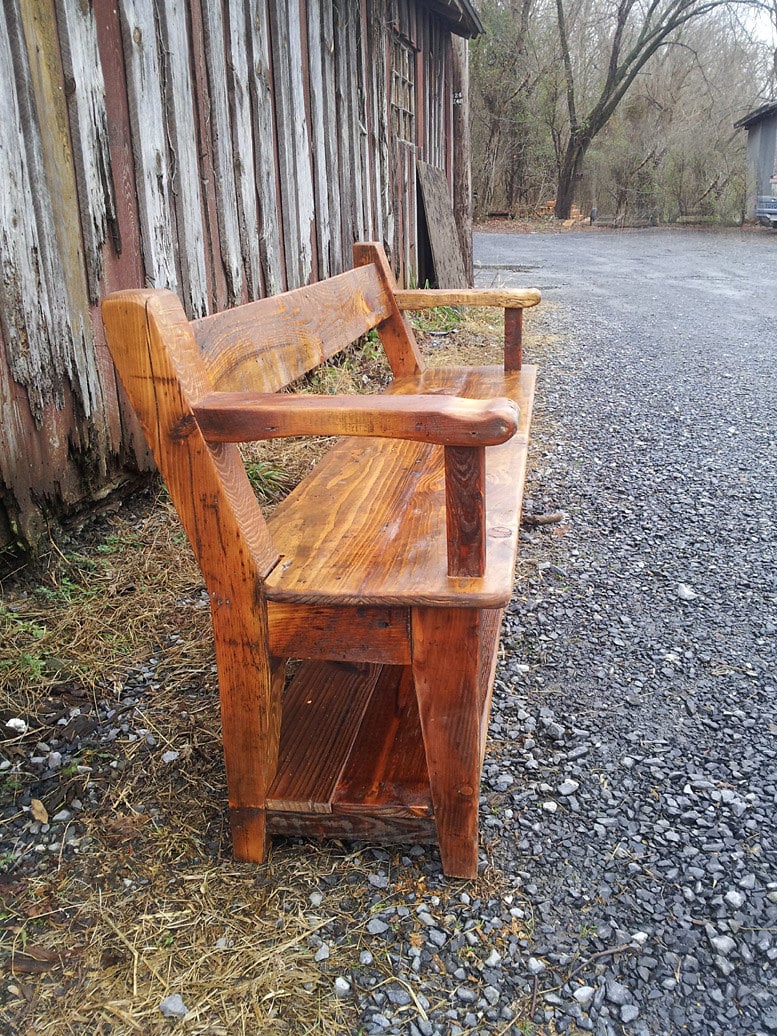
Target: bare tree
{"points": [[636, 30]]}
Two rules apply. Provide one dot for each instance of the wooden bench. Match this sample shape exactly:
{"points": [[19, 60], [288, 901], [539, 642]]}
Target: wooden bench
{"points": [[386, 570]]}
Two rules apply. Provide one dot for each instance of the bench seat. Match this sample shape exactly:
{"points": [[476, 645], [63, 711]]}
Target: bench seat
{"points": [[367, 527]]}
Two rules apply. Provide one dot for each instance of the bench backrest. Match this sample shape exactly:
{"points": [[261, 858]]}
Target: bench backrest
{"points": [[168, 364], [267, 345]]}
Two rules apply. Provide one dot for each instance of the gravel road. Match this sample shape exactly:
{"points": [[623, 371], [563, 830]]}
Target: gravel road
{"points": [[633, 766]]}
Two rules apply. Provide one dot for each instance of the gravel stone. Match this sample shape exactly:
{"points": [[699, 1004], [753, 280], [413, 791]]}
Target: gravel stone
{"points": [[173, 1006], [342, 987]]}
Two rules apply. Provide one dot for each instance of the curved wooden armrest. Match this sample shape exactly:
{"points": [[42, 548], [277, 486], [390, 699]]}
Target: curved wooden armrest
{"points": [[513, 300], [447, 420], [503, 298]]}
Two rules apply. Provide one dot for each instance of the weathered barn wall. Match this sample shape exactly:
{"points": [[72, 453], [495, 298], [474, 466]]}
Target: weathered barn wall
{"points": [[227, 149]]}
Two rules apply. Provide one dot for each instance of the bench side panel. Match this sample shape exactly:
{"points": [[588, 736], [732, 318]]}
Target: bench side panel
{"points": [[160, 367]]}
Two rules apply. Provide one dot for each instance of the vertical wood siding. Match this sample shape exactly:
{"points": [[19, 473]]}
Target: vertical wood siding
{"points": [[227, 149]]}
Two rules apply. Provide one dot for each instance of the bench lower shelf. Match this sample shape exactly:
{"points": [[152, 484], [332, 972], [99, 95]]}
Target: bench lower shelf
{"points": [[352, 761]]}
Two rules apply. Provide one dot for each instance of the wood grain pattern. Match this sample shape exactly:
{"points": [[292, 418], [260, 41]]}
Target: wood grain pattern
{"points": [[149, 142], [386, 569], [243, 148], [465, 510], [85, 94], [250, 416], [296, 178], [446, 666], [161, 370], [185, 174], [502, 298], [261, 87], [513, 339], [368, 527], [320, 135], [342, 634], [446, 252], [322, 712], [386, 771], [395, 332], [222, 151], [268, 344], [378, 827]]}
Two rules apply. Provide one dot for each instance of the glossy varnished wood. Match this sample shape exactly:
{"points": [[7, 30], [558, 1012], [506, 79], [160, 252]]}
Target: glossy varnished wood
{"points": [[248, 416], [386, 570], [465, 510], [368, 527], [265, 345], [373, 634], [386, 772], [499, 298], [158, 362], [322, 713]]}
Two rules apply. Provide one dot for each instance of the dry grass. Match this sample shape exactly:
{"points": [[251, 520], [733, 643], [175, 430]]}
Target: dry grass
{"points": [[152, 904]]}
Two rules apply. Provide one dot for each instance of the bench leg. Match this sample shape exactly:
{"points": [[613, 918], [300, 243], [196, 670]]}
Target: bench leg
{"points": [[250, 689], [446, 671]]}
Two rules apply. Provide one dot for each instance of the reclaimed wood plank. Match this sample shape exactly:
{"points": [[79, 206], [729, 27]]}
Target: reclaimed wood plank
{"points": [[187, 197], [445, 672], [386, 770], [430, 298], [299, 330], [243, 148], [223, 152], [381, 120], [161, 370], [262, 103], [463, 425], [124, 262], [347, 165], [356, 130], [488, 648], [296, 181], [85, 95], [149, 142], [322, 711], [395, 332], [218, 292], [374, 634], [465, 509], [382, 828], [319, 135], [332, 157], [444, 240], [46, 351]]}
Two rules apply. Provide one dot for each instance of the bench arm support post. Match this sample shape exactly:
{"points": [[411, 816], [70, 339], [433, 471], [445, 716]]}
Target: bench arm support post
{"points": [[513, 339], [465, 510]]}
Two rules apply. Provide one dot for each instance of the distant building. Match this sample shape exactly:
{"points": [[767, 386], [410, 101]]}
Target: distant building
{"points": [[761, 126]]}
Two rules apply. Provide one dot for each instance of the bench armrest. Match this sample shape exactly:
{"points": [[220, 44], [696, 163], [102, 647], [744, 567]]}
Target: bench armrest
{"points": [[501, 298], [513, 300], [447, 420]]}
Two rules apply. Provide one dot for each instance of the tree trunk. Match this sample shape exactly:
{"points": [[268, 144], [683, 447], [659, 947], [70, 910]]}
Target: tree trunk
{"points": [[569, 174]]}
